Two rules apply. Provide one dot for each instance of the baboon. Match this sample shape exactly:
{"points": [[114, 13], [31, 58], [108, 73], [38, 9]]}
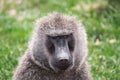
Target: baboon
{"points": [[56, 51]]}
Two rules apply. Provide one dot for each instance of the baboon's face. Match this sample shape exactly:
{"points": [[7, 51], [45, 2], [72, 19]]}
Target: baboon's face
{"points": [[60, 48]]}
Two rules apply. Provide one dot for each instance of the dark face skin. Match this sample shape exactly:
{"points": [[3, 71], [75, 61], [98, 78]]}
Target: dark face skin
{"points": [[60, 48]]}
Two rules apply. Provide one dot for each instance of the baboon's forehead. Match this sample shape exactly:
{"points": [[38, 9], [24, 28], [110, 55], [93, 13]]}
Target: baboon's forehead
{"points": [[59, 32], [57, 21]]}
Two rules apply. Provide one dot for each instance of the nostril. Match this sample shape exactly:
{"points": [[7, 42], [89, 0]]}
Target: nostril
{"points": [[63, 64], [63, 61]]}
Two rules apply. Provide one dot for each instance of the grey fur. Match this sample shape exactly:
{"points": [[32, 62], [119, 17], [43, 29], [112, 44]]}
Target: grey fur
{"points": [[34, 64]]}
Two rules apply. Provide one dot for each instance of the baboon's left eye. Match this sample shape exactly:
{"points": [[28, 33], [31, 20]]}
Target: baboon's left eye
{"points": [[71, 43], [65, 36]]}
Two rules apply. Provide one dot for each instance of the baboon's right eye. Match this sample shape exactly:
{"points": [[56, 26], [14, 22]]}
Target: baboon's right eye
{"points": [[50, 46]]}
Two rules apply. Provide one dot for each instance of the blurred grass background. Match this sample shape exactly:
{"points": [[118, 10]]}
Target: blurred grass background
{"points": [[100, 17]]}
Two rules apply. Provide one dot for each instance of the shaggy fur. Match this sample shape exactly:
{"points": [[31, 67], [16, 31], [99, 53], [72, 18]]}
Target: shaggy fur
{"points": [[35, 65]]}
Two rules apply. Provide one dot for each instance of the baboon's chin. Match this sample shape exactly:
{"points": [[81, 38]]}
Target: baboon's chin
{"points": [[58, 70]]}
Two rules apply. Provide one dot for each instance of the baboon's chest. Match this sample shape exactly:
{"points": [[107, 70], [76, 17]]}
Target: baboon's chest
{"points": [[64, 76]]}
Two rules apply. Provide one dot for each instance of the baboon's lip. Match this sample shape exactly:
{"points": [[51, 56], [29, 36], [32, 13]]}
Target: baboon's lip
{"points": [[63, 67]]}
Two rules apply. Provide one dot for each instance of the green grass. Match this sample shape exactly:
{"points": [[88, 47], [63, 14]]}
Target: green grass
{"points": [[101, 19]]}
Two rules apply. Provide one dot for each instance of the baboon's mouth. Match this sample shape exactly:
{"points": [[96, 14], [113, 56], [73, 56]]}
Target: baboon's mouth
{"points": [[63, 66]]}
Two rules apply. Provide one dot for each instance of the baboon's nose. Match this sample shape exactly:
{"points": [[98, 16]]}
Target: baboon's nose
{"points": [[63, 64], [63, 61]]}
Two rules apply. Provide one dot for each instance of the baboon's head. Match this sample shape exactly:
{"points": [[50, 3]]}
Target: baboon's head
{"points": [[58, 43]]}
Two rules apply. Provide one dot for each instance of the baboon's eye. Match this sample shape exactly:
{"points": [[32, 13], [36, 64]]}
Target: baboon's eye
{"points": [[65, 36], [50, 46], [71, 42]]}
